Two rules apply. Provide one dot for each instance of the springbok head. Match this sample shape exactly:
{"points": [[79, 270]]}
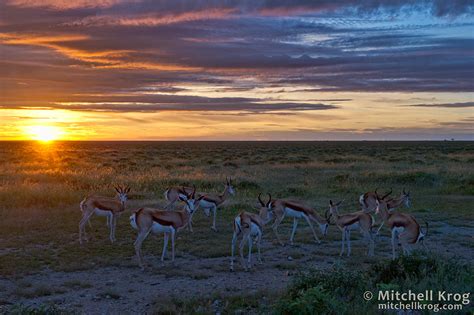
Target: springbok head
{"points": [[122, 192], [192, 204], [333, 209], [265, 212], [380, 203], [229, 186]]}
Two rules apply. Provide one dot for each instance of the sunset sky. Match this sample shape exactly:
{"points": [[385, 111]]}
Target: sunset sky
{"points": [[236, 70]]}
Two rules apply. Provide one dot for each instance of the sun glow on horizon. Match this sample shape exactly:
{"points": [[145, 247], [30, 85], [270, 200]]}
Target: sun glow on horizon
{"points": [[44, 133]]}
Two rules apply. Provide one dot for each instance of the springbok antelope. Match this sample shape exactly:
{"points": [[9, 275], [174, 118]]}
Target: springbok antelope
{"points": [[368, 200], [173, 194], [249, 225], [103, 206], [208, 203], [213, 201], [352, 221], [403, 227], [156, 221], [286, 208]]}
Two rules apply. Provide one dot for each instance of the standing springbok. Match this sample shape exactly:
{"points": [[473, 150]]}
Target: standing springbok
{"points": [[352, 221], [403, 227], [368, 200], [286, 208], [249, 225], [156, 221], [213, 201], [208, 203], [103, 206]]}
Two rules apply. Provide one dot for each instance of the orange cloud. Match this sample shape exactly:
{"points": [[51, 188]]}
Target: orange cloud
{"points": [[154, 19], [109, 59]]}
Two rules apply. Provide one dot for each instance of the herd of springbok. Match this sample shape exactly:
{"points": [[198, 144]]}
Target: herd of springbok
{"points": [[404, 228]]}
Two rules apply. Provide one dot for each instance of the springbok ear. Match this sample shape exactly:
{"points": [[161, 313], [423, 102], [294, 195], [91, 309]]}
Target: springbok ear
{"points": [[330, 202], [182, 198], [339, 203], [200, 198]]}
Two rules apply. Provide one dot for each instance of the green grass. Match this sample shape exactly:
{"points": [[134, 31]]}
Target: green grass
{"points": [[336, 291], [340, 291], [41, 187]]}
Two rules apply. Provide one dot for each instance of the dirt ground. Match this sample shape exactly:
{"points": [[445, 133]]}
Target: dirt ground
{"points": [[125, 289]]}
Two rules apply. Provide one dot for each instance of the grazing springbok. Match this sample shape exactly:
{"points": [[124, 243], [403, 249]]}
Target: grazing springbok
{"points": [[403, 227], [351, 221], [103, 206], [156, 221], [286, 208], [213, 201], [249, 225]]}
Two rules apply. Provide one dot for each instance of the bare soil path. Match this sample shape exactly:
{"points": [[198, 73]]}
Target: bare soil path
{"points": [[125, 289]]}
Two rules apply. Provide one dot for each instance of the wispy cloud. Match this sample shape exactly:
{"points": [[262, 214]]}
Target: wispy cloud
{"points": [[242, 60], [446, 105]]}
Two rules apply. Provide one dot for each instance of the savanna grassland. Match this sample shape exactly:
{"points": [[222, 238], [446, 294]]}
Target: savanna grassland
{"points": [[43, 267]]}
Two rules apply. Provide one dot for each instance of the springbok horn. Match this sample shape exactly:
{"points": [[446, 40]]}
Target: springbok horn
{"points": [[194, 192], [330, 202], [269, 200], [386, 195], [260, 199], [116, 189]]}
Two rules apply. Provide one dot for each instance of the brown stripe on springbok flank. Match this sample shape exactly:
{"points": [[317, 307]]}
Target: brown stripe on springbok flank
{"points": [[351, 221], [209, 199], [101, 206], [162, 222], [298, 207]]}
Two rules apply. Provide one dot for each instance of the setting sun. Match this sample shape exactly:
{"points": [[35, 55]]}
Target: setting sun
{"points": [[44, 133]]}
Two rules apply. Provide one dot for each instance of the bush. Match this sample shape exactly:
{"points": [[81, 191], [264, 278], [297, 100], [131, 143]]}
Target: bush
{"points": [[340, 291]]}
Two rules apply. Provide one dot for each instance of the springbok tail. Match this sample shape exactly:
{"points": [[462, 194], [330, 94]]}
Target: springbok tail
{"points": [[133, 218], [422, 235], [81, 205], [166, 194]]}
